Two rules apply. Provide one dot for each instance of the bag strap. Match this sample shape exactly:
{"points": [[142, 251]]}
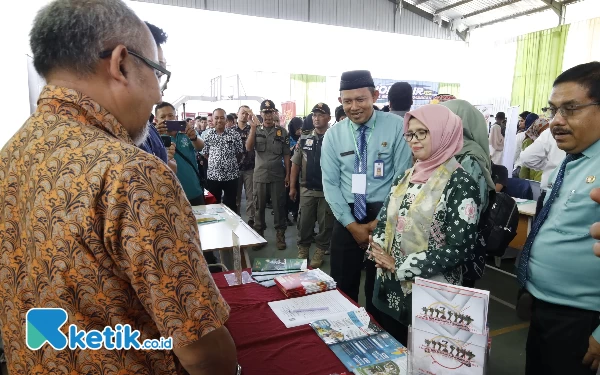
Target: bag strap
{"points": [[191, 165]]}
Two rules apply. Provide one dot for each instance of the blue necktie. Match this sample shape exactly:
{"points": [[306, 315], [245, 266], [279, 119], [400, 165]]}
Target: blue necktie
{"points": [[539, 221], [360, 167]]}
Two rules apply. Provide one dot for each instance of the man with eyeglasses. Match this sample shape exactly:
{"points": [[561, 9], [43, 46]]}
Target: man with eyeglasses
{"points": [[360, 158], [92, 225], [557, 268]]}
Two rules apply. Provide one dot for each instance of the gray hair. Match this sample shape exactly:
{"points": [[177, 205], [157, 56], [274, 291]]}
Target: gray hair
{"points": [[71, 34]]}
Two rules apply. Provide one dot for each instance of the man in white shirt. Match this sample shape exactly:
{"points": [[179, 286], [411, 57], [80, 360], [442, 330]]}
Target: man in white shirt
{"points": [[543, 155]]}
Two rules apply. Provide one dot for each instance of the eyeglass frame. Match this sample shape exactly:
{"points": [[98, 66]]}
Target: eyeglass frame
{"points": [[148, 62], [562, 109], [414, 135]]}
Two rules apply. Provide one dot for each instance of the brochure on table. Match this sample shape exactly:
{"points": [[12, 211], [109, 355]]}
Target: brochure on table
{"points": [[449, 329], [363, 347]]}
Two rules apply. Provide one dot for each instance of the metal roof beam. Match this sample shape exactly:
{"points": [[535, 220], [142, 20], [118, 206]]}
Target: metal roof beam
{"points": [[558, 8], [419, 2], [420, 12], [489, 9], [527, 13], [438, 11]]}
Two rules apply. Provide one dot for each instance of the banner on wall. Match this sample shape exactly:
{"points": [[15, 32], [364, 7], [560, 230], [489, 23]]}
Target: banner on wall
{"points": [[423, 91], [288, 112]]}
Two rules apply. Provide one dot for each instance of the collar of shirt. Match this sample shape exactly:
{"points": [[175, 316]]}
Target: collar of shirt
{"points": [[88, 110], [368, 124], [593, 150]]}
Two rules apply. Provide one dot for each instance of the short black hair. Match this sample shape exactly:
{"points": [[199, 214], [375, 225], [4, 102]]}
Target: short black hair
{"points": [[586, 75], [230, 118], [163, 105], [339, 112], [198, 118], [500, 115], [189, 119], [159, 35], [203, 118], [524, 114], [401, 96], [234, 115], [218, 109], [386, 108]]}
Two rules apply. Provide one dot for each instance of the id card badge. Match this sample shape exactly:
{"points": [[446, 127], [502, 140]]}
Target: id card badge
{"points": [[359, 184], [378, 169]]}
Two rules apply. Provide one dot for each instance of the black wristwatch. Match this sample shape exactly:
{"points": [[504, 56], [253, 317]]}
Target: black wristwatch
{"points": [[195, 139]]}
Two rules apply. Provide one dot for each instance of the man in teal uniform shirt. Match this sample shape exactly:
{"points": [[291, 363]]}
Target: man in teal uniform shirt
{"points": [[557, 265], [361, 155]]}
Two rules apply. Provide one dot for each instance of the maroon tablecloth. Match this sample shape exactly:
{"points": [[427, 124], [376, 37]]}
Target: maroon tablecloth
{"points": [[264, 344]]}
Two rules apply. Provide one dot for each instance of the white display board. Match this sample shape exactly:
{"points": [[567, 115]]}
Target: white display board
{"points": [[510, 138]]}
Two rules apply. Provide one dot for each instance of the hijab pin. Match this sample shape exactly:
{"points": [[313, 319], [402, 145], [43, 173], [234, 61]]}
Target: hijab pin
{"points": [[590, 179]]}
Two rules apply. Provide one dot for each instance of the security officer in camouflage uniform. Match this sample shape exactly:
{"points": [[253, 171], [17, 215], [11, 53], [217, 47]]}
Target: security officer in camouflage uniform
{"points": [[313, 206], [272, 145]]}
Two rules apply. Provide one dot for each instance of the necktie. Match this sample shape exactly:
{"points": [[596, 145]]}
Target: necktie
{"points": [[360, 167], [539, 221]]}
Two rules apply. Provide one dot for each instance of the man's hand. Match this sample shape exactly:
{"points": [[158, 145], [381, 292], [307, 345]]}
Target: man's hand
{"points": [[171, 151], [595, 230], [360, 232], [287, 181], [372, 225], [592, 357], [293, 193], [190, 131], [162, 127], [254, 122]]}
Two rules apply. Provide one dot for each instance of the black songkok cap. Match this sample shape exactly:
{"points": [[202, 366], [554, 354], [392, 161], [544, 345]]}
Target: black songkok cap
{"points": [[356, 79]]}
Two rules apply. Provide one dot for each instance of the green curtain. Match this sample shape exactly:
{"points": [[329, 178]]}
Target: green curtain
{"points": [[307, 90], [449, 88], [539, 62]]}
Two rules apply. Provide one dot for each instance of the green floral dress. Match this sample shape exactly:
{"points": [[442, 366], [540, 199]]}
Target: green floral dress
{"points": [[451, 243]]}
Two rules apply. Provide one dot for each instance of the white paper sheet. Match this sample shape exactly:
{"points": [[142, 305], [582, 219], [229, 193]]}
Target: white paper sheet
{"points": [[332, 299]]}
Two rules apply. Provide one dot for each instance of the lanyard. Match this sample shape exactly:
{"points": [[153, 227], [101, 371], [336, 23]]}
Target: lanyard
{"points": [[354, 138]]}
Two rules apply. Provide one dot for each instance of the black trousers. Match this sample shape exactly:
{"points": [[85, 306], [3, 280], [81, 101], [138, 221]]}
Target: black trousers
{"points": [[540, 203], [348, 259], [224, 191], [558, 339]]}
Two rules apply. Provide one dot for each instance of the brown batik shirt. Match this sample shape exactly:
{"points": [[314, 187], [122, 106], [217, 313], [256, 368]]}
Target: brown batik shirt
{"points": [[92, 224]]}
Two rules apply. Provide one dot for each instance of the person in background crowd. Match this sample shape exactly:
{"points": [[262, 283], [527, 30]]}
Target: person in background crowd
{"points": [[246, 180], [223, 150], [276, 119], [295, 131], [190, 122], [401, 98], [230, 121], [153, 144], [200, 124], [440, 200], [313, 206], [496, 144], [557, 270], [308, 124], [105, 254], [531, 134], [209, 121], [521, 125], [272, 144], [500, 177], [386, 108], [186, 143], [529, 120], [475, 160], [340, 115], [543, 154], [360, 158]]}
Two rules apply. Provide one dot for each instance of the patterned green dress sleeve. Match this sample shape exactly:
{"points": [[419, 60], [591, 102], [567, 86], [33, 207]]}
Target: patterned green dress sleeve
{"points": [[452, 245], [382, 216]]}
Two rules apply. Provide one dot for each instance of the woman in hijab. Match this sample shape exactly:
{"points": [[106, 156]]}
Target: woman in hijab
{"points": [[528, 119], [475, 160], [295, 131], [532, 133], [428, 224]]}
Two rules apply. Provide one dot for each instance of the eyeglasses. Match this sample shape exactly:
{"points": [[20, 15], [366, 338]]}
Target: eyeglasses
{"points": [[419, 134], [565, 111], [162, 74]]}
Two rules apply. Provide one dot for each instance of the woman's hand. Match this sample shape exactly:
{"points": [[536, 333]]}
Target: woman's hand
{"points": [[380, 257]]}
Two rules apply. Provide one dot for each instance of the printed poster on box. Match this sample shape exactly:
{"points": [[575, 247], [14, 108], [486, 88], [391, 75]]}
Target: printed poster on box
{"points": [[423, 91]]}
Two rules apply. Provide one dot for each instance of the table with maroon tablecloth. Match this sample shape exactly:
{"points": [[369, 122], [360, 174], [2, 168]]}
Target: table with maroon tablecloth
{"points": [[264, 345]]}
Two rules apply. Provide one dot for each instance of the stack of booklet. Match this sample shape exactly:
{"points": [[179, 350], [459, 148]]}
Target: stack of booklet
{"points": [[449, 329], [363, 347], [303, 283], [265, 270]]}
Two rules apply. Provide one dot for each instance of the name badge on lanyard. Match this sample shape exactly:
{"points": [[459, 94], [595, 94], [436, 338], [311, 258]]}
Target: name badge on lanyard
{"points": [[378, 169]]}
